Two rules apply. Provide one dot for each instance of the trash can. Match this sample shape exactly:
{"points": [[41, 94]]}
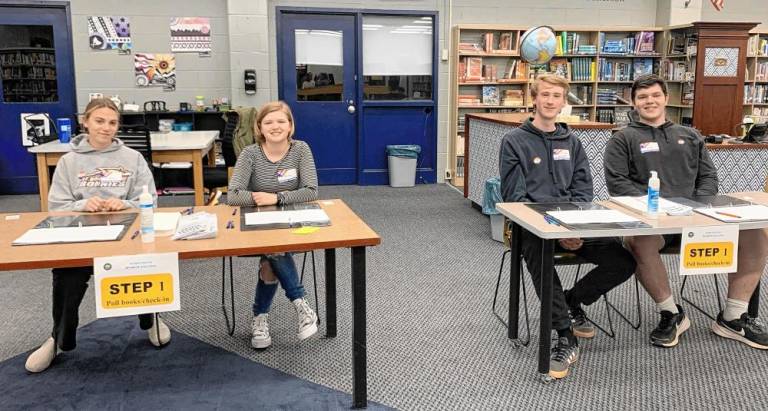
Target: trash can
{"points": [[491, 196], [402, 164]]}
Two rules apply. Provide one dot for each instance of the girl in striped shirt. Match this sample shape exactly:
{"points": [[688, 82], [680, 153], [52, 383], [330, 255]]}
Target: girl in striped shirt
{"points": [[275, 170]]}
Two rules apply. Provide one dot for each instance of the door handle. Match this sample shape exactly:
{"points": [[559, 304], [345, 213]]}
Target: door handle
{"points": [[351, 109]]}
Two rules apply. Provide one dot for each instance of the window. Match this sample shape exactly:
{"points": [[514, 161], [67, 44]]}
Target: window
{"points": [[319, 65], [397, 57], [27, 64]]}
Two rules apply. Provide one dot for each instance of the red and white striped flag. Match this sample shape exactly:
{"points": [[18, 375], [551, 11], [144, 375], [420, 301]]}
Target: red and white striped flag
{"points": [[718, 4]]}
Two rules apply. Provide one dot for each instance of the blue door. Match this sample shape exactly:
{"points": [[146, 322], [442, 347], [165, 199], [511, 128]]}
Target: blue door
{"points": [[36, 72], [317, 79]]}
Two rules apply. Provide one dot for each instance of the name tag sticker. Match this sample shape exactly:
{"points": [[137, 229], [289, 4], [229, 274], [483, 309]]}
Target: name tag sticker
{"points": [[649, 147], [286, 175], [561, 154]]}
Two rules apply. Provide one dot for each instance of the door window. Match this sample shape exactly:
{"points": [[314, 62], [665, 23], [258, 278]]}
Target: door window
{"points": [[319, 65], [27, 64], [397, 57]]}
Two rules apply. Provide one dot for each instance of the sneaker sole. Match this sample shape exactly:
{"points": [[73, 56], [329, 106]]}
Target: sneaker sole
{"points": [[728, 333], [310, 331], [261, 344], [684, 326], [582, 334], [562, 374]]}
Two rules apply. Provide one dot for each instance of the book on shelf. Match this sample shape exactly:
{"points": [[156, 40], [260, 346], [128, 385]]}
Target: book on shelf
{"points": [[469, 47], [468, 99], [488, 45], [642, 66], [507, 42], [491, 95], [474, 68], [489, 72], [560, 67], [513, 98]]}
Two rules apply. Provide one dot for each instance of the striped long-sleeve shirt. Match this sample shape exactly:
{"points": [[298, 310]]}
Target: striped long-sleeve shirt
{"points": [[254, 172]]}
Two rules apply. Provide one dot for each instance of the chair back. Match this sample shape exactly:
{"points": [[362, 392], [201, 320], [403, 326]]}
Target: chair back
{"points": [[137, 138], [227, 148]]}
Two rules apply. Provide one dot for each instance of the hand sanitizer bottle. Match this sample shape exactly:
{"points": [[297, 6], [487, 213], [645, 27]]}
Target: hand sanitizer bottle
{"points": [[146, 207], [654, 186]]}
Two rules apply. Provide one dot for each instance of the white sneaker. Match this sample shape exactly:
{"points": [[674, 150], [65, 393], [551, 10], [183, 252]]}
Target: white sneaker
{"points": [[41, 359], [260, 329], [165, 333], [307, 319]]}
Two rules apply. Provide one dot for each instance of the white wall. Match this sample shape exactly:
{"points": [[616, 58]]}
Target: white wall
{"points": [[105, 71], [755, 11]]}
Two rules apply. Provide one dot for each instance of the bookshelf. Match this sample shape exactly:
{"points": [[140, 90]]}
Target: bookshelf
{"points": [[28, 74], [756, 77], [678, 68], [488, 76]]}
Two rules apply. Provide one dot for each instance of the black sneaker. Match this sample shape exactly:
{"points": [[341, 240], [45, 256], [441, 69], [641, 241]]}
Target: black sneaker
{"points": [[565, 353], [670, 328], [749, 330], [582, 328]]}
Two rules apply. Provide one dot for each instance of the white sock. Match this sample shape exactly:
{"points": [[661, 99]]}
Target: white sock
{"points": [[667, 305], [734, 309]]}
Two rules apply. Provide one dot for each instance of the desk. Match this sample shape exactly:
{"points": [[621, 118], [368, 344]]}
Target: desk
{"points": [[347, 230], [188, 146], [523, 217]]}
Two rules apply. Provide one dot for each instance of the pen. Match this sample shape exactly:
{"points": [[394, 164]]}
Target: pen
{"points": [[230, 224], [234, 211], [727, 214], [135, 233], [188, 211], [550, 220]]}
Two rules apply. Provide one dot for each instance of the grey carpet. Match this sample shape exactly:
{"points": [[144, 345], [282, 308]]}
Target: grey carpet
{"points": [[432, 340]]}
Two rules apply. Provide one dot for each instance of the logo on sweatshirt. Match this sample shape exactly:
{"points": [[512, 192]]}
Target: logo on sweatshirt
{"points": [[105, 177]]}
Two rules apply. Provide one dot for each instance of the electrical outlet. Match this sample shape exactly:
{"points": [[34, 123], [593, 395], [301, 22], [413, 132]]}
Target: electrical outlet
{"points": [[448, 174]]}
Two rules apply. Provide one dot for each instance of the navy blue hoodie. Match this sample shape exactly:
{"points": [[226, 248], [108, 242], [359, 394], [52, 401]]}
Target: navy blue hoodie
{"points": [[676, 152], [542, 167]]}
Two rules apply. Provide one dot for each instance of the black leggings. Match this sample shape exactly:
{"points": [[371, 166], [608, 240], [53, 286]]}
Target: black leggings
{"points": [[69, 285]]}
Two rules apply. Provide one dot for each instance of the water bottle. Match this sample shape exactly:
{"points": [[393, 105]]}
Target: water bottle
{"points": [[64, 126], [146, 207], [653, 195]]}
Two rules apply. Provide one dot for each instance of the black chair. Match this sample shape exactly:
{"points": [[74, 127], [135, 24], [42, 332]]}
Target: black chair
{"points": [[562, 259], [138, 138], [231, 326], [217, 176]]}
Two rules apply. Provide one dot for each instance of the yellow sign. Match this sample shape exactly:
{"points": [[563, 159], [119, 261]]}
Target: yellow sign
{"points": [[136, 290], [708, 255]]}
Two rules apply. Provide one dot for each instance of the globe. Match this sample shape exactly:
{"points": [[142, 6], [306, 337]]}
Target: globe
{"points": [[538, 45]]}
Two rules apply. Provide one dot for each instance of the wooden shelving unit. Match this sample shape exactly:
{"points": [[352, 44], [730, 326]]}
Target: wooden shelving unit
{"points": [[756, 78], [584, 70]]}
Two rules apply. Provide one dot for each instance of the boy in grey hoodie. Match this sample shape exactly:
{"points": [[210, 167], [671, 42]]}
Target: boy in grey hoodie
{"points": [[100, 174], [542, 161], [680, 157]]}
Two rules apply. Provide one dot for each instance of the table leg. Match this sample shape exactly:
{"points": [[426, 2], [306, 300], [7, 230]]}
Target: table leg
{"points": [[197, 173], [359, 344], [43, 180], [211, 156], [545, 330], [515, 247], [754, 302], [330, 292]]}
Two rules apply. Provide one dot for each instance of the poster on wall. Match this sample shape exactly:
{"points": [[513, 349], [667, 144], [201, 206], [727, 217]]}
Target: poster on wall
{"points": [[35, 128], [155, 69], [191, 35], [110, 33]]}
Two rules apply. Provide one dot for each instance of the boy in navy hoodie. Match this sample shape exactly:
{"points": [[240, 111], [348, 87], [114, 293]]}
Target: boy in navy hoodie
{"points": [[542, 161], [680, 157]]}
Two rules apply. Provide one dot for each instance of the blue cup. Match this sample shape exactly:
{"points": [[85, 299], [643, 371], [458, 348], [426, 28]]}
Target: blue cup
{"points": [[64, 125]]}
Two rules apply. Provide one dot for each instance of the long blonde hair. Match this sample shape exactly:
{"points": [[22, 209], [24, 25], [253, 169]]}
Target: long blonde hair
{"points": [[271, 107]]}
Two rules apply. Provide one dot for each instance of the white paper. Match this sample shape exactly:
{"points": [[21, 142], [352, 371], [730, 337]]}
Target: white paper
{"points": [[69, 234], [640, 204], [592, 216], [736, 214], [129, 275], [166, 221], [196, 226], [290, 217]]}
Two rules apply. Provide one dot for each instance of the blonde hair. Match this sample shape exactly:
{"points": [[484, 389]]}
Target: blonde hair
{"points": [[271, 107], [551, 79], [98, 103]]}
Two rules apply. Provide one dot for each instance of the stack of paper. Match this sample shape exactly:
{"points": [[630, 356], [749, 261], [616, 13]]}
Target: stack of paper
{"points": [[592, 217], [70, 234], [196, 227], [291, 218], [640, 205], [736, 214]]}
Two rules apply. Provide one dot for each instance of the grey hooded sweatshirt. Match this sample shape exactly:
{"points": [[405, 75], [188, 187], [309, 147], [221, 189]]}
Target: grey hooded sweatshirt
{"points": [[676, 152], [116, 171]]}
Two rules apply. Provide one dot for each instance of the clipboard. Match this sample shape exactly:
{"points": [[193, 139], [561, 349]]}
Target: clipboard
{"points": [[543, 208], [290, 210], [61, 229]]}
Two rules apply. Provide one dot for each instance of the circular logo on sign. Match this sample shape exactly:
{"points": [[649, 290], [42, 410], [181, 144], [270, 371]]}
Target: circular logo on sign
{"points": [[681, 141], [690, 234], [107, 266], [536, 160]]}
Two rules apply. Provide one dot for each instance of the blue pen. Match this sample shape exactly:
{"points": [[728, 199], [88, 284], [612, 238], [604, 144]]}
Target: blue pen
{"points": [[551, 220]]}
